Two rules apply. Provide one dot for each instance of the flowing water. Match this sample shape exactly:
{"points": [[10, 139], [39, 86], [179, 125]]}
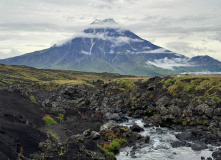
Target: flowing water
{"points": [[159, 146]]}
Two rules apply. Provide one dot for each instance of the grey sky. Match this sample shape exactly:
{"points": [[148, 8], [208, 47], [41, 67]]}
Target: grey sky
{"points": [[189, 27]]}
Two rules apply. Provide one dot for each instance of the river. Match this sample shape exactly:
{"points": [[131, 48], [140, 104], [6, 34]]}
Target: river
{"points": [[159, 146]]}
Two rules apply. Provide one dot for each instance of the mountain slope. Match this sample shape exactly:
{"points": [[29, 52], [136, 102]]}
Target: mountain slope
{"points": [[105, 47]]}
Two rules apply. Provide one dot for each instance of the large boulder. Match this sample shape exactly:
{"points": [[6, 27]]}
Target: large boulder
{"points": [[184, 135], [177, 144], [136, 128], [113, 116], [217, 112], [204, 109], [107, 126], [164, 101], [174, 110]]}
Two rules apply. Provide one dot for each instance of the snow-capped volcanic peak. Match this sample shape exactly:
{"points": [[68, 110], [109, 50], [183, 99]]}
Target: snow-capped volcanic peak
{"points": [[109, 21]]}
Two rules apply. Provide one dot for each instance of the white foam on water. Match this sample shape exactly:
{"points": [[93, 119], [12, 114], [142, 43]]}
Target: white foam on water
{"points": [[159, 146]]}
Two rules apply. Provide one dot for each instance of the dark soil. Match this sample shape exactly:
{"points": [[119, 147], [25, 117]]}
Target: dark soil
{"points": [[19, 120]]}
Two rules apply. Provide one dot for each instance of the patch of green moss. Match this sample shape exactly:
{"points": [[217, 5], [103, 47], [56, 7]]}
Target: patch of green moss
{"points": [[127, 84], [133, 98], [60, 117], [114, 145], [32, 98], [185, 123], [111, 154], [53, 135], [210, 86], [191, 88], [149, 112], [170, 80], [144, 80], [124, 129]]}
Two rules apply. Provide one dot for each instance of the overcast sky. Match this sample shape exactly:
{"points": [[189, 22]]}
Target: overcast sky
{"points": [[189, 27]]}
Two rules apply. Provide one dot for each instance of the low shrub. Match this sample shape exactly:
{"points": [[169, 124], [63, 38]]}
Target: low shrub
{"points": [[49, 120]]}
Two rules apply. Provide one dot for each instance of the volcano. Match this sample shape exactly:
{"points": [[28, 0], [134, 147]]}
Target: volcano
{"points": [[107, 47]]}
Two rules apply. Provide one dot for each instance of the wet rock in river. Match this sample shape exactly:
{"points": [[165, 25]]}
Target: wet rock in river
{"points": [[184, 135], [217, 154], [136, 128], [159, 131], [177, 144], [199, 145], [147, 139]]}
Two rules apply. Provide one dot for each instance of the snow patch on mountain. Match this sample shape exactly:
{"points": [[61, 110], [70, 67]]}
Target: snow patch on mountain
{"points": [[106, 23], [109, 21], [166, 63], [85, 52]]}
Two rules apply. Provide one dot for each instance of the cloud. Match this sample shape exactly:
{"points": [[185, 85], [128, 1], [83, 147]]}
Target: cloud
{"points": [[156, 51], [45, 21], [116, 41], [168, 63], [185, 47], [14, 52], [29, 27], [102, 7], [182, 47], [216, 36]]}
